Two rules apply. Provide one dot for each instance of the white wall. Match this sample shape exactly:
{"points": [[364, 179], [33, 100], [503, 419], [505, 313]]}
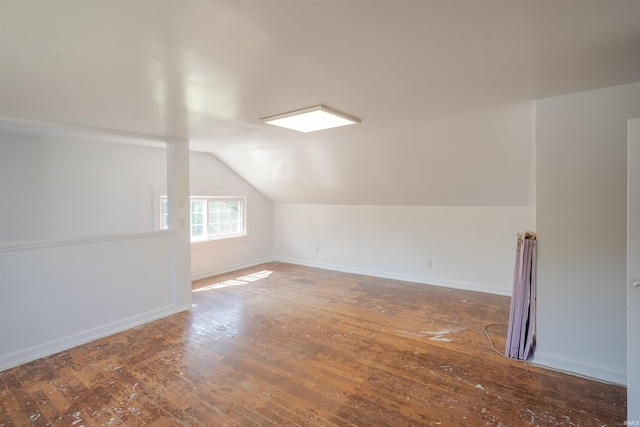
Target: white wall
{"points": [[457, 195], [78, 255], [581, 156], [210, 176], [470, 247], [58, 188], [60, 294]]}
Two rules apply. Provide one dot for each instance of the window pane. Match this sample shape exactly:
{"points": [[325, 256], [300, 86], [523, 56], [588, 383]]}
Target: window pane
{"points": [[197, 205], [237, 219], [165, 214], [197, 217], [197, 231], [225, 228], [215, 218]]}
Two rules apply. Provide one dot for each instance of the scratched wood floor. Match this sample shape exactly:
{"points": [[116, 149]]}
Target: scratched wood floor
{"points": [[280, 344]]}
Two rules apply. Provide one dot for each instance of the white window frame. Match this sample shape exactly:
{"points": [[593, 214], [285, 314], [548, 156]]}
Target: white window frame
{"points": [[160, 194]]}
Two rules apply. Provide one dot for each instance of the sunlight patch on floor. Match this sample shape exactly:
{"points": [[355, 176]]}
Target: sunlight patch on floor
{"points": [[237, 281]]}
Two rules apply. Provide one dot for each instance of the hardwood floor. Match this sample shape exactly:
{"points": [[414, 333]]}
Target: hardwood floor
{"points": [[280, 344]]}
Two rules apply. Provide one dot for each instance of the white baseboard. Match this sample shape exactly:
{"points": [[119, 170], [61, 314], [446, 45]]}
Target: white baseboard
{"points": [[580, 368], [229, 268], [478, 287], [41, 350]]}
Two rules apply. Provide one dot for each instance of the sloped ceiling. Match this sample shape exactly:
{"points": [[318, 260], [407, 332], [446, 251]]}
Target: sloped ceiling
{"points": [[445, 89]]}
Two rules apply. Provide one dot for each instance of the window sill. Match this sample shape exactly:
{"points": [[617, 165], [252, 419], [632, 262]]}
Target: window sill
{"points": [[203, 244]]}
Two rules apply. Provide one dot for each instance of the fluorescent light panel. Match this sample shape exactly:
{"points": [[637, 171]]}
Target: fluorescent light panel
{"points": [[311, 119]]}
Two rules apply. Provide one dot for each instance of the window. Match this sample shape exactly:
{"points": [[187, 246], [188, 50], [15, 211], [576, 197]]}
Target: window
{"points": [[212, 217]]}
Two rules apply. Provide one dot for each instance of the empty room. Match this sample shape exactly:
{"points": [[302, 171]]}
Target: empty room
{"points": [[337, 212]]}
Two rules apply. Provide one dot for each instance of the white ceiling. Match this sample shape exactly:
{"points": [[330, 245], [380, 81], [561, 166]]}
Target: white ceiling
{"points": [[444, 88]]}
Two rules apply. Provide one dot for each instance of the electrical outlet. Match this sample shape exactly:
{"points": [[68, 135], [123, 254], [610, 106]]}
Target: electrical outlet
{"points": [[428, 263]]}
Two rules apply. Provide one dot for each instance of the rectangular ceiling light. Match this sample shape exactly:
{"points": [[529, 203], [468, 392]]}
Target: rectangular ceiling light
{"points": [[311, 119]]}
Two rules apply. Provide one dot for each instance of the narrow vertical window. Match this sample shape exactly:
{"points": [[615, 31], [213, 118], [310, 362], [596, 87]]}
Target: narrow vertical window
{"points": [[198, 218], [165, 213]]}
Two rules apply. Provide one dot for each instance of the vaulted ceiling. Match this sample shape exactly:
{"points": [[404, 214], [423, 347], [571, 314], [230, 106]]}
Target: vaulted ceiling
{"points": [[445, 89]]}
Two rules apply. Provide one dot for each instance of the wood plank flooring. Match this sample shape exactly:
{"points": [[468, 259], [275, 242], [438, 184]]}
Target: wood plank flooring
{"points": [[279, 344]]}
